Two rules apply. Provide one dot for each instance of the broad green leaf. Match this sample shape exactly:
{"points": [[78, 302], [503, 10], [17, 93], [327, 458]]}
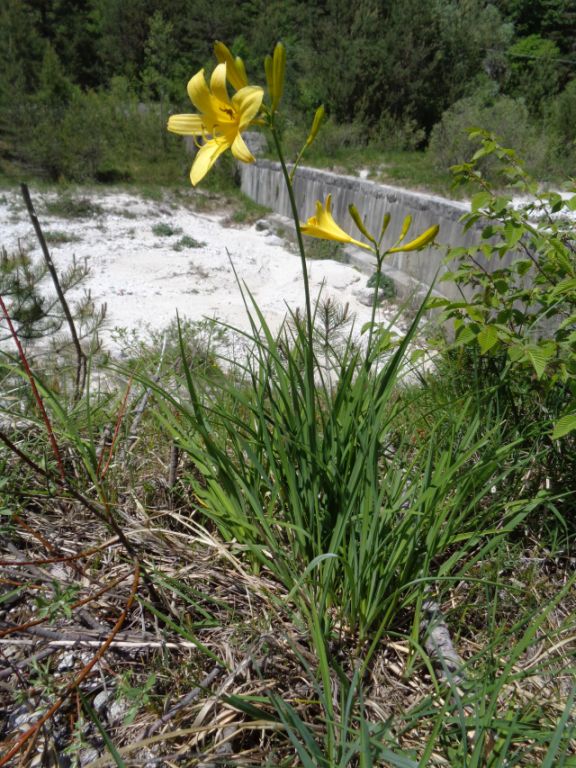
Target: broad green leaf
{"points": [[512, 232], [474, 313], [480, 200], [540, 355], [487, 338], [564, 286], [523, 266], [465, 335], [564, 425]]}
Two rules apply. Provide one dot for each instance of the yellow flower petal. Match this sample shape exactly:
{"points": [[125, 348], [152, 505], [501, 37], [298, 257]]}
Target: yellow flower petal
{"points": [[199, 93], [221, 118], [247, 103], [235, 71], [241, 151], [205, 159], [218, 84], [186, 125]]}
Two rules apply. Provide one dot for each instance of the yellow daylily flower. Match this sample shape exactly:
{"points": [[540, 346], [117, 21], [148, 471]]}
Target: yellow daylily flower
{"points": [[235, 71], [221, 118], [420, 242], [323, 225]]}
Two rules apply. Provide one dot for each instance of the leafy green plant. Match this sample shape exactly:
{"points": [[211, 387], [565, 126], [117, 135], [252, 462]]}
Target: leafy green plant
{"points": [[324, 249], [518, 304], [136, 696], [304, 468], [385, 285], [164, 229], [68, 206], [188, 242]]}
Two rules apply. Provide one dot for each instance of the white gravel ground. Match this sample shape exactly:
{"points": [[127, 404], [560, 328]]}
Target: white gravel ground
{"points": [[144, 279]]}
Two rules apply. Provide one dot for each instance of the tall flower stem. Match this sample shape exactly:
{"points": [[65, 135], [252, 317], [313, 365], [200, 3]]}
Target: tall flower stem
{"points": [[309, 321], [379, 261], [296, 218]]}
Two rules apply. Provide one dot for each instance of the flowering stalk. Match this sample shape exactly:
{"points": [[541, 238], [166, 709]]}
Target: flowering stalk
{"points": [[309, 322]]}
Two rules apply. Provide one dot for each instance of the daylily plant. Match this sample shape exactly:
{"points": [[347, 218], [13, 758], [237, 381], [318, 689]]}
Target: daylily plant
{"points": [[221, 118]]}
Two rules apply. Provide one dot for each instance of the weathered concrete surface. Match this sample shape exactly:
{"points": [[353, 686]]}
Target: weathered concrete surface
{"points": [[263, 182]]}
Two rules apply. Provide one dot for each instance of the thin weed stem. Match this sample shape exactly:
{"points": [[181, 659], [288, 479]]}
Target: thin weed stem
{"points": [[35, 392]]}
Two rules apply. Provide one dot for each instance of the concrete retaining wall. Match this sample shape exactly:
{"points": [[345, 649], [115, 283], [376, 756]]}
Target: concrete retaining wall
{"points": [[263, 182]]}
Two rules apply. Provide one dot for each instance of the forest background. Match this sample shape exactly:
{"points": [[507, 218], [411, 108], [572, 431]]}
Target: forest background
{"points": [[87, 85]]}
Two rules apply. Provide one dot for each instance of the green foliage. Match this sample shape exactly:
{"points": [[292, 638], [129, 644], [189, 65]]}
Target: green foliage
{"points": [[562, 128], [534, 71], [163, 229], [507, 118], [518, 306], [34, 312], [135, 696], [325, 249], [384, 285], [305, 499], [59, 139], [67, 206], [188, 242]]}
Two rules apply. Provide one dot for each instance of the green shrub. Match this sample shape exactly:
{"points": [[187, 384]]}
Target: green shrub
{"points": [[517, 315], [562, 127], [386, 287], [163, 229], [94, 135], [506, 117], [534, 71]]}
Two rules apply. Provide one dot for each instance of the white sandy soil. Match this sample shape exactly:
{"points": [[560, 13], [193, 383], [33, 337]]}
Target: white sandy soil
{"points": [[145, 281]]}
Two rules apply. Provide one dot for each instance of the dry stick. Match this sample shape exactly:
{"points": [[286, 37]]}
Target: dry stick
{"points": [[6, 629], [81, 676], [173, 468], [35, 392], [80, 355], [188, 699], [54, 640], [63, 559], [102, 514]]}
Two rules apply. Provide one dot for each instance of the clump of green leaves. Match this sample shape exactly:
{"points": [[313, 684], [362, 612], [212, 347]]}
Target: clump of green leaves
{"points": [[188, 242], [518, 284], [513, 350], [163, 229], [135, 696], [384, 285], [325, 249], [69, 207]]}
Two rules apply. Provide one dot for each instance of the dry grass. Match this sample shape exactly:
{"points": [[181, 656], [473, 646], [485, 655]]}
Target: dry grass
{"points": [[220, 632]]}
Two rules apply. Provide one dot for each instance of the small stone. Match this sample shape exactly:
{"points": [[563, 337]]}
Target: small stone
{"points": [[117, 711], [100, 700], [88, 756]]}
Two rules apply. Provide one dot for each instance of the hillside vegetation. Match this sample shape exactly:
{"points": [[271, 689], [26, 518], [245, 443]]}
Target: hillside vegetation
{"points": [[86, 87]]}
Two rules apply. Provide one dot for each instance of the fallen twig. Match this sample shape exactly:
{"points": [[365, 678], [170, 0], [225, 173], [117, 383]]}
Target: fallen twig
{"points": [[33, 730]]}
